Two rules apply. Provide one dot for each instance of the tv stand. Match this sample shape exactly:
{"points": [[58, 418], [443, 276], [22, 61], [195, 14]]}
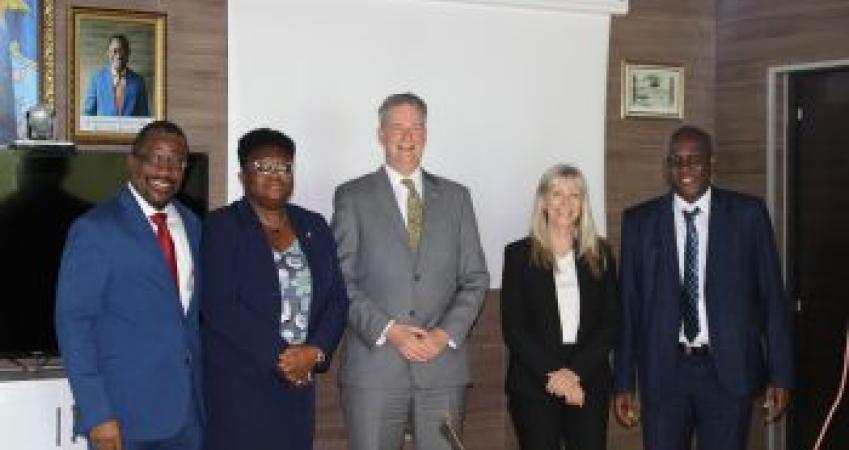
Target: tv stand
{"points": [[37, 409], [30, 364]]}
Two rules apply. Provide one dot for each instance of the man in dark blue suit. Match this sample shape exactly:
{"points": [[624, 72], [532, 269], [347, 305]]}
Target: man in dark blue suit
{"points": [[127, 310], [114, 89], [705, 321]]}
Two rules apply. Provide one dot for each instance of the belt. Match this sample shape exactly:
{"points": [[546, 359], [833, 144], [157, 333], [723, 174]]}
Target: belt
{"points": [[701, 350]]}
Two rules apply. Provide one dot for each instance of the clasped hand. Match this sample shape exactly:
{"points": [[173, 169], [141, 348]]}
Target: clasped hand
{"points": [[296, 363], [565, 384], [417, 344]]}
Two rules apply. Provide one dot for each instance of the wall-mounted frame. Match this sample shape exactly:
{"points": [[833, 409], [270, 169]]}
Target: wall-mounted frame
{"points": [[652, 91], [116, 73], [27, 62]]}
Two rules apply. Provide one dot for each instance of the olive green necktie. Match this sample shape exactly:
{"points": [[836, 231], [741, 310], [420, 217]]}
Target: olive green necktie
{"points": [[414, 214]]}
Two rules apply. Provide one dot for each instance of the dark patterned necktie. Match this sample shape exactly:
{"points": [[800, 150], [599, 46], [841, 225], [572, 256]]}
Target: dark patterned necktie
{"points": [[414, 214], [690, 290]]}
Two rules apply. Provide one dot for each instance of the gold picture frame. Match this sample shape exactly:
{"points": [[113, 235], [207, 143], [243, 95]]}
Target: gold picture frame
{"points": [[26, 64], [654, 91], [94, 114]]}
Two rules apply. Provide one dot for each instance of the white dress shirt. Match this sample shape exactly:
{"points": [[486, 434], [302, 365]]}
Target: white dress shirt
{"points": [[182, 250], [568, 296], [701, 222]]}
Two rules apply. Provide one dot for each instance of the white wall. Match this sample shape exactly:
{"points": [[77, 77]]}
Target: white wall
{"points": [[509, 91]]}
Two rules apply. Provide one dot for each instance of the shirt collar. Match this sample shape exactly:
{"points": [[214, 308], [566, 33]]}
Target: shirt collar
{"points": [[395, 177], [703, 203], [147, 209]]}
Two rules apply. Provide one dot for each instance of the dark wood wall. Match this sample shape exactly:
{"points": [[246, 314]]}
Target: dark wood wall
{"points": [[196, 74], [753, 35]]}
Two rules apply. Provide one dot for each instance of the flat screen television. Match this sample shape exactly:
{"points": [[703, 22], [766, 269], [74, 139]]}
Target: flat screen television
{"points": [[41, 193]]}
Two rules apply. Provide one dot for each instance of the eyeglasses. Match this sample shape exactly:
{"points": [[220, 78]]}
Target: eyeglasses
{"points": [[694, 161], [160, 161], [268, 168]]}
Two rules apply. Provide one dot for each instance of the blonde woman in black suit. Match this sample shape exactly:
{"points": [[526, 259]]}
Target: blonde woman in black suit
{"points": [[559, 308]]}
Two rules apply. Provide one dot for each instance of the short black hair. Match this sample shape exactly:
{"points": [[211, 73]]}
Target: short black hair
{"points": [[263, 137], [696, 135], [122, 39], [404, 98], [156, 128]]}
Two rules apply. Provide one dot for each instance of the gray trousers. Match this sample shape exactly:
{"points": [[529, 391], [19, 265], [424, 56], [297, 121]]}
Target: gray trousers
{"points": [[376, 419]]}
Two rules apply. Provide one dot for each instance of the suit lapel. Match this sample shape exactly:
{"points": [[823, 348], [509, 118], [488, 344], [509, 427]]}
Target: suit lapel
{"points": [[669, 249], [717, 246], [141, 230], [386, 202], [193, 236], [430, 215]]}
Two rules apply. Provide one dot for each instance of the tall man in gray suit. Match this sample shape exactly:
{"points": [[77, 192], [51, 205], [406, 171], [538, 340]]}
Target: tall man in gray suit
{"points": [[416, 276]]}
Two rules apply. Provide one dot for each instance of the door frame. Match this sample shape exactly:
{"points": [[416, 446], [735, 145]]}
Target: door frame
{"points": [[777, 143]]}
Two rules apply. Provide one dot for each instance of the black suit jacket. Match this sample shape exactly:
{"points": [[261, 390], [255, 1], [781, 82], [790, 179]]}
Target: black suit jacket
{"points": [[531, 323]]}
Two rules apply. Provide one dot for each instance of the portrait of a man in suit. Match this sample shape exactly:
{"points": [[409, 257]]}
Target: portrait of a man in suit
{"points": [[127, 307], [415, 272], [705, 323], [115, 89]]}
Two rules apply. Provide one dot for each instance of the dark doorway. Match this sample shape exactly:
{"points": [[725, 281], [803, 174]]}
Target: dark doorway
{"points": [[818, 250]]}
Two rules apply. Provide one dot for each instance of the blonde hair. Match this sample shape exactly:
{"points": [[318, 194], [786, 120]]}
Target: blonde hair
{"points": [[589, 244]]}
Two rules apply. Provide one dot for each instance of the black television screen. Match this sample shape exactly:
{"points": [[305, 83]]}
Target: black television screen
{"points": [[41, 193]]}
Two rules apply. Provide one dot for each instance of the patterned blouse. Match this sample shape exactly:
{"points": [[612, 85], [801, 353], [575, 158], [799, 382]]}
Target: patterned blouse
{"points": [[296, 289]]}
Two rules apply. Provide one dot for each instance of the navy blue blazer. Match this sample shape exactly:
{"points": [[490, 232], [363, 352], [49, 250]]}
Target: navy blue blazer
{"points": [[100, 97], [249, 406], [129, 351], [748, 312]]}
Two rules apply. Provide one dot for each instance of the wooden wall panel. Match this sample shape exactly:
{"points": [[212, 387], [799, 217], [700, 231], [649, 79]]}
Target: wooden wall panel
{"points": [[196, 75], [753, 35]]}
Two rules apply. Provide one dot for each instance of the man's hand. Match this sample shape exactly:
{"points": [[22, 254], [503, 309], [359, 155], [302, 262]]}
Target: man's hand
{"points": [[410, 341], [106, 436], [627, 409], [436, 341], [775, 403], [296, 363], [566, 384]]}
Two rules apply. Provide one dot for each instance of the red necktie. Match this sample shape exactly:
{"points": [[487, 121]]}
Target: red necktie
{"points": [[163, 235]]}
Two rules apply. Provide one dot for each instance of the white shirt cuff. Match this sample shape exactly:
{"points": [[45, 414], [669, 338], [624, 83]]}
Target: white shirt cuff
{"points": [[382, 338]]}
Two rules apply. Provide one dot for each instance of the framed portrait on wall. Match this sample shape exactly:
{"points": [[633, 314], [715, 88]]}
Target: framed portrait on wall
{"points": [[116, 73], [652, 91], [26, 63]]}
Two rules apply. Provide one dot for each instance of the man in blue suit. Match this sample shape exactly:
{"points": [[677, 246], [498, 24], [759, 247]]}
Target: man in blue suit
{"points": [[705, 321], [115, 90], [127, 307]]}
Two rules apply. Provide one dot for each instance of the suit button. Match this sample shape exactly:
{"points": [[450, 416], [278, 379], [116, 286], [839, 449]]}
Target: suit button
{"points": [[417, 277], [188, 359]]}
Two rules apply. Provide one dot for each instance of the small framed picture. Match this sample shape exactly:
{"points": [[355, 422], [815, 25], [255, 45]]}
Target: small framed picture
{"points": [[652, 91], [116, 79]]}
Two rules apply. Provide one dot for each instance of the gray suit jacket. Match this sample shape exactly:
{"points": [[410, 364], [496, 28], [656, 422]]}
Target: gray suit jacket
{"points": [[442, 285]]}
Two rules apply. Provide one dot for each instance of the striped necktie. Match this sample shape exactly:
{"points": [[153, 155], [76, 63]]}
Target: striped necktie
{"points": [[690, 290]]}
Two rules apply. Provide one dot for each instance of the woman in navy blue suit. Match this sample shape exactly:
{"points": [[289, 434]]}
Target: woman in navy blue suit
{"points": [[559, 308], [274, 306]]}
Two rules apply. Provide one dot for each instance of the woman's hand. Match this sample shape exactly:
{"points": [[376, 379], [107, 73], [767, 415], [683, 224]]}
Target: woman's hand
{"points": [[296, 363], [566, 384]]}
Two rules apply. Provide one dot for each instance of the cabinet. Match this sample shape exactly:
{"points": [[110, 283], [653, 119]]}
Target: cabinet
{"points": [[37, 414]]}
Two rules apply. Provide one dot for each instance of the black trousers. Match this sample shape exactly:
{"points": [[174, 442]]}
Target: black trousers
{"points": [[543, 422]]}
